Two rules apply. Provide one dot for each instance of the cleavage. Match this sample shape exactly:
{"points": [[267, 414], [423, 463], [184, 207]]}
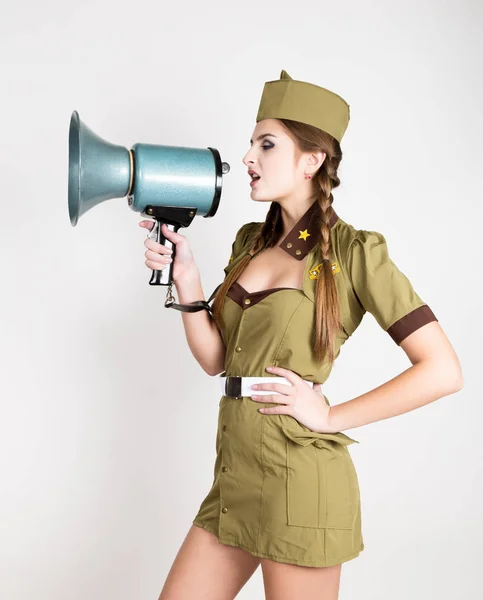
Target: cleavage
{"points": [[272, 269]]}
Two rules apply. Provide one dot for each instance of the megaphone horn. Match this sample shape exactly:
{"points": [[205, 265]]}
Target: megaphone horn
{"points": [[98, 170]]}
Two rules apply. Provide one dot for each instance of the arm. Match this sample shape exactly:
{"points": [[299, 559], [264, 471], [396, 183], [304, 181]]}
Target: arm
{"points": [[385, 291], [436, 372], [202, 334]]}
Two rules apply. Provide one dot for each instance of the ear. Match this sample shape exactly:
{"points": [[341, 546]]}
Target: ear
{"points": [[316, 159]]}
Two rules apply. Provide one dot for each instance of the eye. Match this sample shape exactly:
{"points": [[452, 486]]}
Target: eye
{"points": [[267, 146]]}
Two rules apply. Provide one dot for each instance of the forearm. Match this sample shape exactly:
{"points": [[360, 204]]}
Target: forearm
{"points": [[421, 384], [202, 335]]}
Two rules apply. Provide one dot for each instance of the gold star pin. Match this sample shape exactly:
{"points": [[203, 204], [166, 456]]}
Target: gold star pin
{"points": [[304, 235]]}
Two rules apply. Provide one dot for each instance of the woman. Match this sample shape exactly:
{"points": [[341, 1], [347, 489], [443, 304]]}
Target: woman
{"points": [[285, 493]]}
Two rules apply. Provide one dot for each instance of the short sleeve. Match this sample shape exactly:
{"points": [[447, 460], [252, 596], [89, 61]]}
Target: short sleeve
{"points": [[382, 289], [240, 244]]}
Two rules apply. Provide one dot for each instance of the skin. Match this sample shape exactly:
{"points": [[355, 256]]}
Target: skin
{"points": [[204, 568]]}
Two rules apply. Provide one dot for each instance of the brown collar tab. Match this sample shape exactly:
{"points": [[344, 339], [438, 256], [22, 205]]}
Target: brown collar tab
{"points": [[304, 236]]}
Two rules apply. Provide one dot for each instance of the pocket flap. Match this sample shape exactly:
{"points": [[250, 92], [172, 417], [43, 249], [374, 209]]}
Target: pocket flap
{"points": [[304, 438]]}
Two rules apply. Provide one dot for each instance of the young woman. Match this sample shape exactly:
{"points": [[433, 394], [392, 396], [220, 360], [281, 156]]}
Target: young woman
{"points": [[285, 493]]}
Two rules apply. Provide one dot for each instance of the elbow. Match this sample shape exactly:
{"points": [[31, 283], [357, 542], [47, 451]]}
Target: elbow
{"points": [[212, 372], [457, 382], [447, 375], [215, 367], [454, 378]]}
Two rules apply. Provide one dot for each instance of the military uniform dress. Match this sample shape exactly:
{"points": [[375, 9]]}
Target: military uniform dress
{"points": [[280, 490]]}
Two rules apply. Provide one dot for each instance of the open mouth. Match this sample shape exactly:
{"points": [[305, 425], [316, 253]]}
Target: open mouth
{"points": [[254, 181]]}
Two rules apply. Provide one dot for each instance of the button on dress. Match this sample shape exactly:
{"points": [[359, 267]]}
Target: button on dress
{"points": [[280, 490]]}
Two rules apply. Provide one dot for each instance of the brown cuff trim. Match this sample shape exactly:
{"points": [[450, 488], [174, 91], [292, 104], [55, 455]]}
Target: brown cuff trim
{"points": [[410, 322]]}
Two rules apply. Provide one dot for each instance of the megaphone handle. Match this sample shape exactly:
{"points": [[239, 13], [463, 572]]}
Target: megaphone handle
{"points": [[164, 276]]}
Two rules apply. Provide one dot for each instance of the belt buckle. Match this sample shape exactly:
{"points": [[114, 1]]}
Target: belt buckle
{"points": [[233, 387]]}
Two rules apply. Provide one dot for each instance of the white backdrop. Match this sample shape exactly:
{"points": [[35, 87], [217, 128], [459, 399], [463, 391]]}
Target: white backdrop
{"points": [[108, 423]]}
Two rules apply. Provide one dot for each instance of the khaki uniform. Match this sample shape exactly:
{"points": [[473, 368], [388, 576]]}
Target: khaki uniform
{"points": [[280, 490]]}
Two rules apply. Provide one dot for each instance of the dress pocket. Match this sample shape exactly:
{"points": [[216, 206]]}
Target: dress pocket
{"points": [[322, 485]]}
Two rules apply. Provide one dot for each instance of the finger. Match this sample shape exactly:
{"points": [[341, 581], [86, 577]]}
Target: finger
{"points": [[147, 224], [282, 388], [289, 375], [155, 266], [154, 256], [172, 236], [271, 398], [274, 410], [157, 247]]}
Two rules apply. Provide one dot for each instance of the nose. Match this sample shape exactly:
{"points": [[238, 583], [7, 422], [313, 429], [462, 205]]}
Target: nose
{"points": [[247, 159]]}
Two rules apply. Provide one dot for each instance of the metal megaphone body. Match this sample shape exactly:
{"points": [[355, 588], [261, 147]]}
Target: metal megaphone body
{"points": [[171, 184]]}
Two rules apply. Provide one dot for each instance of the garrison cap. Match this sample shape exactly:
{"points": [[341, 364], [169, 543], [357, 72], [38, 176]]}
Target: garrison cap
{"points": [[287, 98]]}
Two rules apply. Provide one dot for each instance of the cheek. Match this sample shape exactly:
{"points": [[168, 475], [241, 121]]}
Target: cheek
{"points": [[283, 180]]}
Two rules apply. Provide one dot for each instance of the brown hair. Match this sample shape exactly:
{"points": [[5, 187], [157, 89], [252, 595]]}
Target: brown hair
{"points": [[307, 138]]}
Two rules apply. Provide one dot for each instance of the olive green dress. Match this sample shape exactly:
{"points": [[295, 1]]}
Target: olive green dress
{"points": [[280, 490]]}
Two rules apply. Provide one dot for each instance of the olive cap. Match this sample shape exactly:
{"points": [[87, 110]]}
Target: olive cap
{"points": [[287, 98]]}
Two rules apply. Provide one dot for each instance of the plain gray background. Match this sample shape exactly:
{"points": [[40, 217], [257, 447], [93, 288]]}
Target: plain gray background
{"points": [[108, 423]]}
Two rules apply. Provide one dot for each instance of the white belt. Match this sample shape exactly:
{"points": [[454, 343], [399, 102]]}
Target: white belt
{"points": [[247, 382]]}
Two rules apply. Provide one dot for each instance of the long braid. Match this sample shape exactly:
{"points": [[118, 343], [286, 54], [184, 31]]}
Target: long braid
{"points": [[273, 225], [326, 290]]}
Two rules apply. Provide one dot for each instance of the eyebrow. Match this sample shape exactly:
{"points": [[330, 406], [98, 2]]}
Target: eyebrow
{"points": [[260, 137]]}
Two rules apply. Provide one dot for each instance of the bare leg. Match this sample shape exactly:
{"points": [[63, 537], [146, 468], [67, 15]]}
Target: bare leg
{"points": [[291, 582], [204, 569]]}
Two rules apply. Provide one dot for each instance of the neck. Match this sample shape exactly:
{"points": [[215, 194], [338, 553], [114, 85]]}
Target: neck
{"points": [[292, 213]]}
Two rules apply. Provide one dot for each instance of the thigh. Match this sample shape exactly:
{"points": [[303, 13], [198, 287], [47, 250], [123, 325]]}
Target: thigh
{"points": [[284, 581], [204, 569]]}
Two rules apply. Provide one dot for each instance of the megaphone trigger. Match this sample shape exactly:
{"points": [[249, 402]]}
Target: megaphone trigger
{"points": [[153, 234]]}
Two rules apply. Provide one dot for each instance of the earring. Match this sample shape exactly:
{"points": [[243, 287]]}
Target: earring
{"points": [[308, 176]]}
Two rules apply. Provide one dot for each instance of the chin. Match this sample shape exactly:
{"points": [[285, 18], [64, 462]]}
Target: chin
{"points": [[260, 198]]}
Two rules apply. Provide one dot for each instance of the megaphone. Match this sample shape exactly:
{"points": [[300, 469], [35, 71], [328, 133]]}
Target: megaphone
{"points": [[171, 184]]}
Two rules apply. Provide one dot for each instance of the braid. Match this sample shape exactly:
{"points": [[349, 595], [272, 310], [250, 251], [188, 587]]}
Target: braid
{"points": [[270, 228], [326, 179]]}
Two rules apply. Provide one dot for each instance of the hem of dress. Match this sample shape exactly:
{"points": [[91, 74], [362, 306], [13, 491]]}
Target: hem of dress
{"points": [[282, 559]]}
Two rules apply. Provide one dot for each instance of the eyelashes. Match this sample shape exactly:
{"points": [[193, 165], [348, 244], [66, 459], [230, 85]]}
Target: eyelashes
{"points": [[267, 147]]}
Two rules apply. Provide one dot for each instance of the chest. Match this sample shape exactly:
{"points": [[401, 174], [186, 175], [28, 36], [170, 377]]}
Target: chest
{"points": [[272, 268]]}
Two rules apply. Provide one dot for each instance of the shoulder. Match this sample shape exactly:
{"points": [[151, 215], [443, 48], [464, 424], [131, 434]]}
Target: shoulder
{"points": [[245, 235], [351, 239], [242, 241], [248, 229], [359, 249]]}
